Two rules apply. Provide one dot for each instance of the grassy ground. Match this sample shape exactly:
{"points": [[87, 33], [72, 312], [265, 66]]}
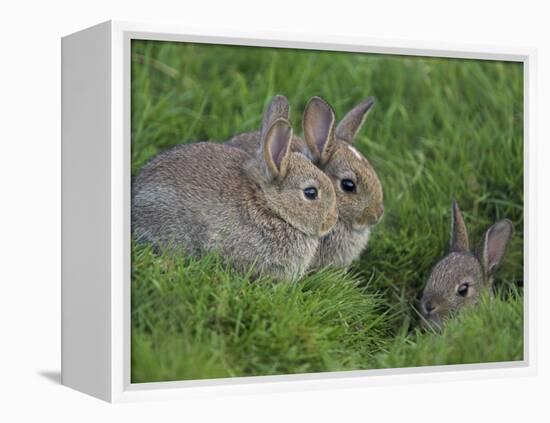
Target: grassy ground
{"points": [[441, 128]]}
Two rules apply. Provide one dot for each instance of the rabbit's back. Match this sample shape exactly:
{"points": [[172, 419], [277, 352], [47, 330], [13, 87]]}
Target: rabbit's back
{"points": [[176, 196], [248, 142]]}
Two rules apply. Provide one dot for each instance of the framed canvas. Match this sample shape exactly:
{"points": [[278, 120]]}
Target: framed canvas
{"points": [[432, 198]]}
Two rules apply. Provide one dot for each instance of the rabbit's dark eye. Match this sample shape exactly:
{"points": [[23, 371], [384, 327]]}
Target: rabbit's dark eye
{"points": [[311, 193], [463, 289], [348, 185]]}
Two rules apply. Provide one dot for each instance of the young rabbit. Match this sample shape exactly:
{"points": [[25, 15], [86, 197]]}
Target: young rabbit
{"points": [[359, 195], [265, 212], [461, 276]]}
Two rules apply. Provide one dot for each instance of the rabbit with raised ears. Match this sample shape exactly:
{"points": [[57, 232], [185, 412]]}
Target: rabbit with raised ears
{"points": [[264, 212], [359, 194], [463, 275]]}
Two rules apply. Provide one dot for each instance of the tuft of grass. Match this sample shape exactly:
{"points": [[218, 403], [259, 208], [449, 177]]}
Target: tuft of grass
{"points": [[200, 319], [440, 129]]}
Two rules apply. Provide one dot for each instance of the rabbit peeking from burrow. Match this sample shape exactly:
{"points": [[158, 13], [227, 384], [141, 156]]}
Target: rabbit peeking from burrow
{"points": [[459, 279]]}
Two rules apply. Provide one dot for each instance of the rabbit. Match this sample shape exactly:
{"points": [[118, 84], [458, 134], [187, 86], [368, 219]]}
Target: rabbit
{"points": [[263, 213], [359, 193], [459, 279]]}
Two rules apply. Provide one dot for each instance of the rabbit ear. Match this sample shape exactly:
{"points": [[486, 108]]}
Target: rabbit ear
{"points": [[494, 245], [318, 123], [353, 121], [276, 148], [459, 234], [277, 109]]}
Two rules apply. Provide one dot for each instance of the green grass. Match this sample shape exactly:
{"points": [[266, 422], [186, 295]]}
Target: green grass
{"points": [[206, 320], [441, 129], [491, 332]]}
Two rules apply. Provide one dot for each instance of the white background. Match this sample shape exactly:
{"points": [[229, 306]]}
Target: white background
{"points": [[30, 207]]}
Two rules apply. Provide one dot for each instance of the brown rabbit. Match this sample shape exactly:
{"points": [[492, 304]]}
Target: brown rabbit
{"points": [[264, 212], [359, 194], [462, 276]]}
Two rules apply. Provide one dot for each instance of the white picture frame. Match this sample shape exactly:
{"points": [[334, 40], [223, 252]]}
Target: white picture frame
{"points": [[96, 226]]}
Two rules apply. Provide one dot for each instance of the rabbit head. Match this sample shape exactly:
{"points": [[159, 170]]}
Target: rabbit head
{"points": [[292, 186], [359, 194], [461, 276]]}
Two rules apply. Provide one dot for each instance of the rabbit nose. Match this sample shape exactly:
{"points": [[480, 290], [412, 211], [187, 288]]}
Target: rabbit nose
{"points": [[429, 306], [372, 215]]}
